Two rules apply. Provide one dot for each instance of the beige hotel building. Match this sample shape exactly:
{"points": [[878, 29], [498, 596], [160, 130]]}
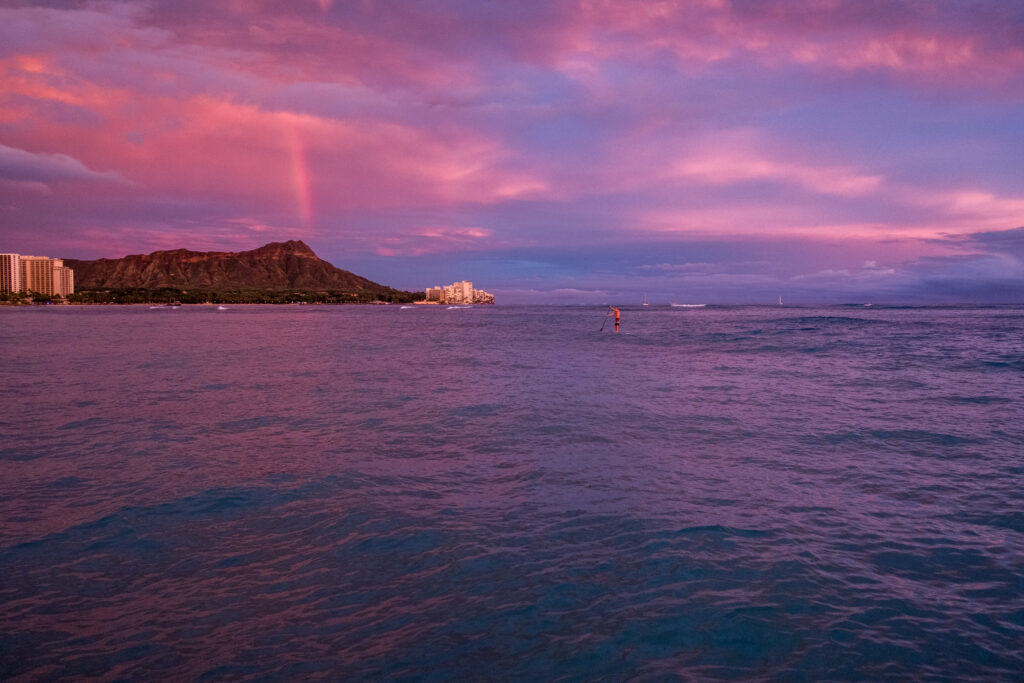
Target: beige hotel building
{"points": [[41, 274]]}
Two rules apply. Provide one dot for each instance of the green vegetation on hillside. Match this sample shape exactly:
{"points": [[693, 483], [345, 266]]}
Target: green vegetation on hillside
{"points": [[251, 296]]}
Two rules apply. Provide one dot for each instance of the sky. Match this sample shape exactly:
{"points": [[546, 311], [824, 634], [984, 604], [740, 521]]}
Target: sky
{"points": [[551, 151]]}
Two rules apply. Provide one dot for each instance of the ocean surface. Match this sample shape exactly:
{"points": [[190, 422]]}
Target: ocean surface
{"points": [[508, 493]]}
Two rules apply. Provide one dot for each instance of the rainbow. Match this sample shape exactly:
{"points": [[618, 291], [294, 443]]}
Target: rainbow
{"points": [[300, 175]]}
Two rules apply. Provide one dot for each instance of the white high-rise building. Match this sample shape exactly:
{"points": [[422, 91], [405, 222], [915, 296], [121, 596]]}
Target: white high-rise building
{"points": [[461, 292]]}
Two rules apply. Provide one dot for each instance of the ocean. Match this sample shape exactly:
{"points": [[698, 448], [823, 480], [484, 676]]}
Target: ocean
{"points": [[508, 493]]}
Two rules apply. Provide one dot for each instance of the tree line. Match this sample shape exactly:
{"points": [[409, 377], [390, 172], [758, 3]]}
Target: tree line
{"points": [[29, 297]]}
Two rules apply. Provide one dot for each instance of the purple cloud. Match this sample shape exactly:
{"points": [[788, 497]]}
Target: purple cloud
{"points": [[23, 166]]}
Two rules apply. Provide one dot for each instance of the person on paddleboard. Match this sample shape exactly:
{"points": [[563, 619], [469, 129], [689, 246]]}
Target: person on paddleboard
{"points": [[618, 317]]}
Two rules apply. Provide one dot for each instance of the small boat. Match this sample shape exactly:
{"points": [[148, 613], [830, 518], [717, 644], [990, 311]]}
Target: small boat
{"points": [[405, 307], [780, 299], [645, 301], [222, 308], [450, 308]]}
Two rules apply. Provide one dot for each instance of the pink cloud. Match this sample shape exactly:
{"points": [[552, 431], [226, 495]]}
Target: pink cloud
{"points": [[444, 232], [434, 239], [752, 220], [930, 216], [908, 41], [967, 210], [208, 146], [740, 156]]}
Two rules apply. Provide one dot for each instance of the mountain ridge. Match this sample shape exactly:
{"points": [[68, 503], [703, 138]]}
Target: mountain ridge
{"points": [[276, 266]]}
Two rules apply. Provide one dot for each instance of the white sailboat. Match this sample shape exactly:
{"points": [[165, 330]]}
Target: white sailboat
{"points": [[780, 299], [645, 300]]}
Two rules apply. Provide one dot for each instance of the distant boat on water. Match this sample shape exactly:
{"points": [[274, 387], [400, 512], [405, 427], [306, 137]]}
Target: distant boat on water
{"points": [[222, 308], [645, 301], [687, 305], [780, 299]]}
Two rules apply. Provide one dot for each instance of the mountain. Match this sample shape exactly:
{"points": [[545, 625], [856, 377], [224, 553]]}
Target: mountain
{"points": [[290, 265]]}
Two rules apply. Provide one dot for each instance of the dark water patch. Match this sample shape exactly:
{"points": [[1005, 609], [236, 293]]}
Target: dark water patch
{"points": [[977, 400], [893, 438], [945, 565], [1010, 519], [88, 423], [213, 503], [67, 483], [23, 454], [161, 437], [21, 651], [481, 410], [1009, 365], [257, 423]]}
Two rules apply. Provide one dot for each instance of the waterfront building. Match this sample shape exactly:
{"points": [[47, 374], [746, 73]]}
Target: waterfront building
{"points": [[458, 293], [64, 279], [10, 272], [37, 274], [42, 274]]}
